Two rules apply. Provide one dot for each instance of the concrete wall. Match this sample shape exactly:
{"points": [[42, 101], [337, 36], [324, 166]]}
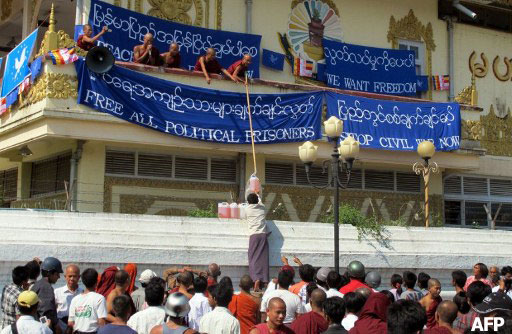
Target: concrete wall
{"points": [[99, 240]]}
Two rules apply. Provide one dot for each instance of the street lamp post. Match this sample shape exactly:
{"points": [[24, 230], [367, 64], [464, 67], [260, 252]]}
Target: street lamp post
{"points": [[348, 150], [426, 151]]}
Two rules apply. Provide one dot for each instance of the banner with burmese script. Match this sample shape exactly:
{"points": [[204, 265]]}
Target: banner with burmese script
{"points": [[394, 125], [128, 29], [198, 113]]}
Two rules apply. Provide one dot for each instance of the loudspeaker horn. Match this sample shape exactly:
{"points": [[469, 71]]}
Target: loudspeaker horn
{"points": [[99, 59]]}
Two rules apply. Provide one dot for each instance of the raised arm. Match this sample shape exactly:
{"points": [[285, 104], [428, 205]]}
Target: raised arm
{"points": [[93, 39], [138, 57]]}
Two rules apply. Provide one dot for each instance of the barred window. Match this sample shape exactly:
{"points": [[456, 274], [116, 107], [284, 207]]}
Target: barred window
{"points": [[50, 175], [8, 185]]}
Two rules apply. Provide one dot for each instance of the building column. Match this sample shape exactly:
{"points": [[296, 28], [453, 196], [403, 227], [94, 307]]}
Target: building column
{"points": [[24, 176], [26, 18], [91, 178]]}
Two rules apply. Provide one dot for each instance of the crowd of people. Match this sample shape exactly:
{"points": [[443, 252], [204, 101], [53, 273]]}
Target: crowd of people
{"points": [[184, 300], [148, 54], [187, 300]]}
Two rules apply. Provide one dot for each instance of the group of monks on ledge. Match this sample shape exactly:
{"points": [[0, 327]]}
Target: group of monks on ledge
{"points": [[148, 54]]}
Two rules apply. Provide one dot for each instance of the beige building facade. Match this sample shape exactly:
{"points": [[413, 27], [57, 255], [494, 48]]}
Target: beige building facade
{"points": [[87, 161]]}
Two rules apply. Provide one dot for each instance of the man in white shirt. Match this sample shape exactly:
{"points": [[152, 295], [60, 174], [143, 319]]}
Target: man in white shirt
{"points": [[333, 283], [65, 294], [293, 303], [27, 323], [199, 305], [258, 243], [88, 310], [220, 320], [505, 283], [142, 322]]}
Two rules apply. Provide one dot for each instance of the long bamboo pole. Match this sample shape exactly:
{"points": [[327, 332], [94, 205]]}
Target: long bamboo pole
{"points": [[250, 122]]}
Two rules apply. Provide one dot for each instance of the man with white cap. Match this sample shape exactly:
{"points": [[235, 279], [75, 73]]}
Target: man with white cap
{"points": [[27, 323], [139, 296], [321, 278]]}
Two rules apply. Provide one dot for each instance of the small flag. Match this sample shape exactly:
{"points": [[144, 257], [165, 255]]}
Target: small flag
{"points": [[63, 56], [273, 60], [445, 82], [35, 68], [11, 98], [24, 86], [3, 105], [436, 84], [440, 82], [79, 30], [422, 83], [303, 68], [16, 65], [320, 72]]}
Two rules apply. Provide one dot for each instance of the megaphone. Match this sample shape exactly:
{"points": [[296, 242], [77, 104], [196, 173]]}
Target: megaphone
{"points": [[99, 59]]}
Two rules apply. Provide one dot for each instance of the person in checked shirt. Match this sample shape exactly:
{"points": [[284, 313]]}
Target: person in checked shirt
{"points": [[10, 295]]}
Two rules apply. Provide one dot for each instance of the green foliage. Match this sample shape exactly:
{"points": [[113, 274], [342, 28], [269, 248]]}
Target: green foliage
{"points": [[209, 212], [367, 227]]}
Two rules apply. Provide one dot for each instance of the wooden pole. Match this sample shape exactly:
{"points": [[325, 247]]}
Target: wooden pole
{"points": [[250, 121]]}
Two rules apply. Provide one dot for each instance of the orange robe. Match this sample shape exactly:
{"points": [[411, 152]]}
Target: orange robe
{"points": [[245, 309]]}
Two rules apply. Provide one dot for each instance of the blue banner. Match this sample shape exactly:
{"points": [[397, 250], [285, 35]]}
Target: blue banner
{"points": [[128, 30], [367, 69], [198, 113], [393, 125], [273, 60], [16, 65]]}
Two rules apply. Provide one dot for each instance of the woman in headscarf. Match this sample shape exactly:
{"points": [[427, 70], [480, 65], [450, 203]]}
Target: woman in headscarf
{"points": [[107, 281], [372, 319], [131, 269]]}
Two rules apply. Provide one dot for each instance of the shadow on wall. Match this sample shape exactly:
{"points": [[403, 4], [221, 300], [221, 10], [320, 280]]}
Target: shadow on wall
{"points": [[275, 242]]}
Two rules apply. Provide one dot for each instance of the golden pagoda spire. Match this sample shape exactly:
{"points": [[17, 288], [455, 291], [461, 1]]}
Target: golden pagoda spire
{"points": [[51, 37], [51, 28]]}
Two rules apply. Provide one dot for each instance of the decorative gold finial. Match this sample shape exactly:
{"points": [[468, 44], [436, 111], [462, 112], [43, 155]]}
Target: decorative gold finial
{"points": [[51, 38], [51, 28]]}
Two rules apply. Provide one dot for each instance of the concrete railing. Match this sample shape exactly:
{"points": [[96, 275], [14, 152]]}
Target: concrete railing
{"points": [[101, 239]]}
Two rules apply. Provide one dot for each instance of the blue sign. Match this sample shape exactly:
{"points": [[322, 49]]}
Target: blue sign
{"points": [[198, 113], [367, 69], [128, 30], [393, 125], [16, 65], [273, 60], [422, 83], [35, 68], [79, 30]]}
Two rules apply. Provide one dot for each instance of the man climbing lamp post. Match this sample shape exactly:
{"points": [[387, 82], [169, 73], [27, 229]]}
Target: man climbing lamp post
{"points": [[426, 151], [348, 151]]}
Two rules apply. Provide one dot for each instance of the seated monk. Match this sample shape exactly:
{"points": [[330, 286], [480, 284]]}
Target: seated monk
{"points": [[85, 41], [172, 59], [208, 64], [146, 53], [239, 67]]}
